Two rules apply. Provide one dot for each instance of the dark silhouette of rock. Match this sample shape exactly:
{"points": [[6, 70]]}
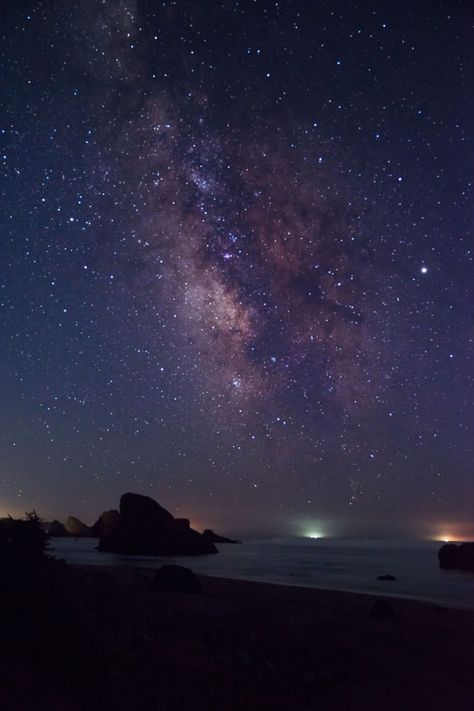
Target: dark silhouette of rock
{"points": [[457, 557], [75, 527], [175, 578], [56, 529], [382, 610], [106, 523], [211, 536], [386, 577], [447, 555], [183, 523], [146, 528]]}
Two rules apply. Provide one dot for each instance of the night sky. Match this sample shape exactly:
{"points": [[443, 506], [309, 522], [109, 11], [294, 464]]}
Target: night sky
{"points": [[236, 270]]}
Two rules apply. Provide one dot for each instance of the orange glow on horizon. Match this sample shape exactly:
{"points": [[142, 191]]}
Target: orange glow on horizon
{"points": [[451, 532]]}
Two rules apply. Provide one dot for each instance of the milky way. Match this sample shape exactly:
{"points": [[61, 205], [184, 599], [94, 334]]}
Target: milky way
{"points": [[237, 271]]}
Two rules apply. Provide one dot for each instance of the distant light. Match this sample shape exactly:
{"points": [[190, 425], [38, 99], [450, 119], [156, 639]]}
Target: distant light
{"points": [[424, 270], [314, 536]]}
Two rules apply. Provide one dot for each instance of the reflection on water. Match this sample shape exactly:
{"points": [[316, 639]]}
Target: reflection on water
{"points": [[337, 564]]}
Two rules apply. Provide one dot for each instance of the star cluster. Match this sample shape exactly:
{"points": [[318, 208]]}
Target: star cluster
{"points": [[237, 264]]}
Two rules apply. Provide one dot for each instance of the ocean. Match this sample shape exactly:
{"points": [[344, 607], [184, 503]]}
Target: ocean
{"points": [[329, 563]]}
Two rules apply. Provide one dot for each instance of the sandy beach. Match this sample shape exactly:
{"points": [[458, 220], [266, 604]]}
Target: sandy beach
{"points": [[243, 645]]}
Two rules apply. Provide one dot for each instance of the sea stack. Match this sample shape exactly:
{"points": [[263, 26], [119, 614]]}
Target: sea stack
{"points": [[146, 528], [56, 529], [457, 557], [77, 528], [106, 523]]}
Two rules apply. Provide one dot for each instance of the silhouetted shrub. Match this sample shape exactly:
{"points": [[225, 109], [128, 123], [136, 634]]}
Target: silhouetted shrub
{"points": [[22, 541], [44, 634]]}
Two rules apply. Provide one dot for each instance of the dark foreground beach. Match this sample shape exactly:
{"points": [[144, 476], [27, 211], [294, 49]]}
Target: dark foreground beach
{"points": [[118, 644]]}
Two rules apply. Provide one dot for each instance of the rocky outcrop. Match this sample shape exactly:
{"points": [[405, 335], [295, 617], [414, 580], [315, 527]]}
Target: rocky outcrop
{"points": [[106, 523], [146, 528], [56, 529], [75, 527], [183, 523], [211, 536], [175, 578], [457, 557]]}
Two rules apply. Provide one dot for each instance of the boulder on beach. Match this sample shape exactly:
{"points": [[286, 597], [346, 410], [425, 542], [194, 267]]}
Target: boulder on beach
{"points": [[211, 536], [106, 523], [146, 528], [75, 527], [56, 529], [175, 578], [457, 557]]}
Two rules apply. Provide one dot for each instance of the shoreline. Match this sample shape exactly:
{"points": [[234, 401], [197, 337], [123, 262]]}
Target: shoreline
{"points": [[417, 571], [129, 570]]}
